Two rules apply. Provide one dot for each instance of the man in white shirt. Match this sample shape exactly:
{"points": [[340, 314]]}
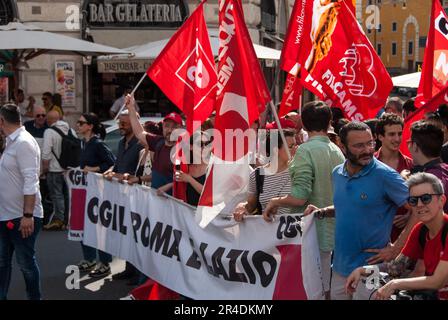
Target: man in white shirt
{"points": [[20, 203], [50, 165]]}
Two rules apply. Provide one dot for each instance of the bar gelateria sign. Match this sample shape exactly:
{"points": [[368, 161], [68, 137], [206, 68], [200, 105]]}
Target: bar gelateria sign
{"points": [[135, 13]]}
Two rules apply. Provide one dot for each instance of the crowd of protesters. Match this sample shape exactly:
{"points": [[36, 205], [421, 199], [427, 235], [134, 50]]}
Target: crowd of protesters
{"points": [[369, 199]]}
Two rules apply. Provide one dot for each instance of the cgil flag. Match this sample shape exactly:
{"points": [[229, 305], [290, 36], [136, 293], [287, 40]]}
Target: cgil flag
{"points": [[434, 74], [185, 70], [334, 59], [242, 95]]}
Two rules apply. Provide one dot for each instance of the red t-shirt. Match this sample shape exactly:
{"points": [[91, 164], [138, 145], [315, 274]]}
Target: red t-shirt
{"points": [[432, 254]]}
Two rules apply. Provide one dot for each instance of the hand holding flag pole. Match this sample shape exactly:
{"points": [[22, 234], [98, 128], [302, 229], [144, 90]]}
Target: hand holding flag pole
{"points": [[132, 94]]}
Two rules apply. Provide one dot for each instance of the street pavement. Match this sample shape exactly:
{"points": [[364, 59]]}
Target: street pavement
{"points": [[54, 253]]}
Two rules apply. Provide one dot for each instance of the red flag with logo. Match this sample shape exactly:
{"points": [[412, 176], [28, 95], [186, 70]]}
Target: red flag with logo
{"points": [[431, 106], [241, 96], [434, 76], [335, 58], [292, 95], [185, 70]]}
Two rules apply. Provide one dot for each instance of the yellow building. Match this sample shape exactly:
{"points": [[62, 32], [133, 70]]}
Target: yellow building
{"points": [[398, 32]]}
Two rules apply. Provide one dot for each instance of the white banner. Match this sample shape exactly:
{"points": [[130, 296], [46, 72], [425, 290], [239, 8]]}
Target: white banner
{"points": [[77, 185], [226, 260]]}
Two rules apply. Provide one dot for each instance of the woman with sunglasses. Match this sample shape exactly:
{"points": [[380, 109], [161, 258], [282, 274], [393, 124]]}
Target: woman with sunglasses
{"points": [[95, 157], [189, 178], [427, 242]]}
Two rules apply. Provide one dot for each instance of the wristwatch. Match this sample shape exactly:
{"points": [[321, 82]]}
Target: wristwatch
{"points": [[320, 214], [27, 215]]}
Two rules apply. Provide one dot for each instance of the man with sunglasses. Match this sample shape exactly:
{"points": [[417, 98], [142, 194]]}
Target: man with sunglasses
{"points": [[38, 125], [367, 194], [427, 242]]}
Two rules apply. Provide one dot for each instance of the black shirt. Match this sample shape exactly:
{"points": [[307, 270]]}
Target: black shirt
{"points": [[192, 195], [96, 154], [35, 132], [127, 159]]}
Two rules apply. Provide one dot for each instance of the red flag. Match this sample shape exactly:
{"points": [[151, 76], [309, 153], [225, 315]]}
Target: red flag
{"points": [[335, 59], [298, 27], [434, 75], [185, 70], [292, 95], [152, 290], [241, 96], [431, 106]]}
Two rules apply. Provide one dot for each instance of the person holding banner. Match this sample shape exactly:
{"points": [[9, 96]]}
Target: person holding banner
{"points": [[126, 164], [367, 194], [193, 176], [162, 170], [311, 179], [272, 180], [95, 157]]}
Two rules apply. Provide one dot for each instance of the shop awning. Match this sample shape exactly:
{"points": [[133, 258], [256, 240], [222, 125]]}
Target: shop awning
{"points": [[410, 80], [29, 41], [146, 53]]}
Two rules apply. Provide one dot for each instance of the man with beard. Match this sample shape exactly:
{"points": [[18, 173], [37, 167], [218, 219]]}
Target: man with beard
{"points": [[162, 170], [367, 194], [128, 157]]}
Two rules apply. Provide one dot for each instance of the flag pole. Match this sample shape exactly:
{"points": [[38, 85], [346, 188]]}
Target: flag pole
{"points": [[277, 120], [132, 93]]}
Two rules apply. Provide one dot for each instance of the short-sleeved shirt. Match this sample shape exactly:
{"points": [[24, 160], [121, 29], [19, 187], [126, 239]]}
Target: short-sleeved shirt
{"points": [[431, 255], [162, 167], [128, 158], [365, 205], [404, 163], [274, 185], [311, 172]]}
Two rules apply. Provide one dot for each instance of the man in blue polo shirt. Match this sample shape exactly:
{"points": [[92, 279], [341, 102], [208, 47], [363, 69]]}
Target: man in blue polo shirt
{"points": [[367, 194]]}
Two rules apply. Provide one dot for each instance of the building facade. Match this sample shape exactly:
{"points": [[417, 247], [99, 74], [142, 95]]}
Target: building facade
{"points": [[400, 31], [122, 24]]}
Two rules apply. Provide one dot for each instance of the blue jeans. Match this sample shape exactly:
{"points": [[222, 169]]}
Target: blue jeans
{"points": [[55, 182], [10, 241], [89, 254]]}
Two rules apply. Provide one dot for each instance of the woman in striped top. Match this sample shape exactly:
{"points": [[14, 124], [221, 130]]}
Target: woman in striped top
{"points": [[270, 181]]}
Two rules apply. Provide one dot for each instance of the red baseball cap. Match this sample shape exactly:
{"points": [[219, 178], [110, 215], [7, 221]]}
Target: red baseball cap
{"points": [[285, 123], [173, 116]]}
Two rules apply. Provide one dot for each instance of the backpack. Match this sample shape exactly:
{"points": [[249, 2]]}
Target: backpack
{"points": [[70, 149], [424, 231]]}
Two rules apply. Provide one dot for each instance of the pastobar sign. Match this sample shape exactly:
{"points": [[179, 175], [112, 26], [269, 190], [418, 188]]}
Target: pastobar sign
{"points": [[135, 13]]}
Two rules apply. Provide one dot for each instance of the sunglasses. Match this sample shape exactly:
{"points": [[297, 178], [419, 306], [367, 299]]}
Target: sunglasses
{"points": [[425, 198], [40, 115], [81, 123]]}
